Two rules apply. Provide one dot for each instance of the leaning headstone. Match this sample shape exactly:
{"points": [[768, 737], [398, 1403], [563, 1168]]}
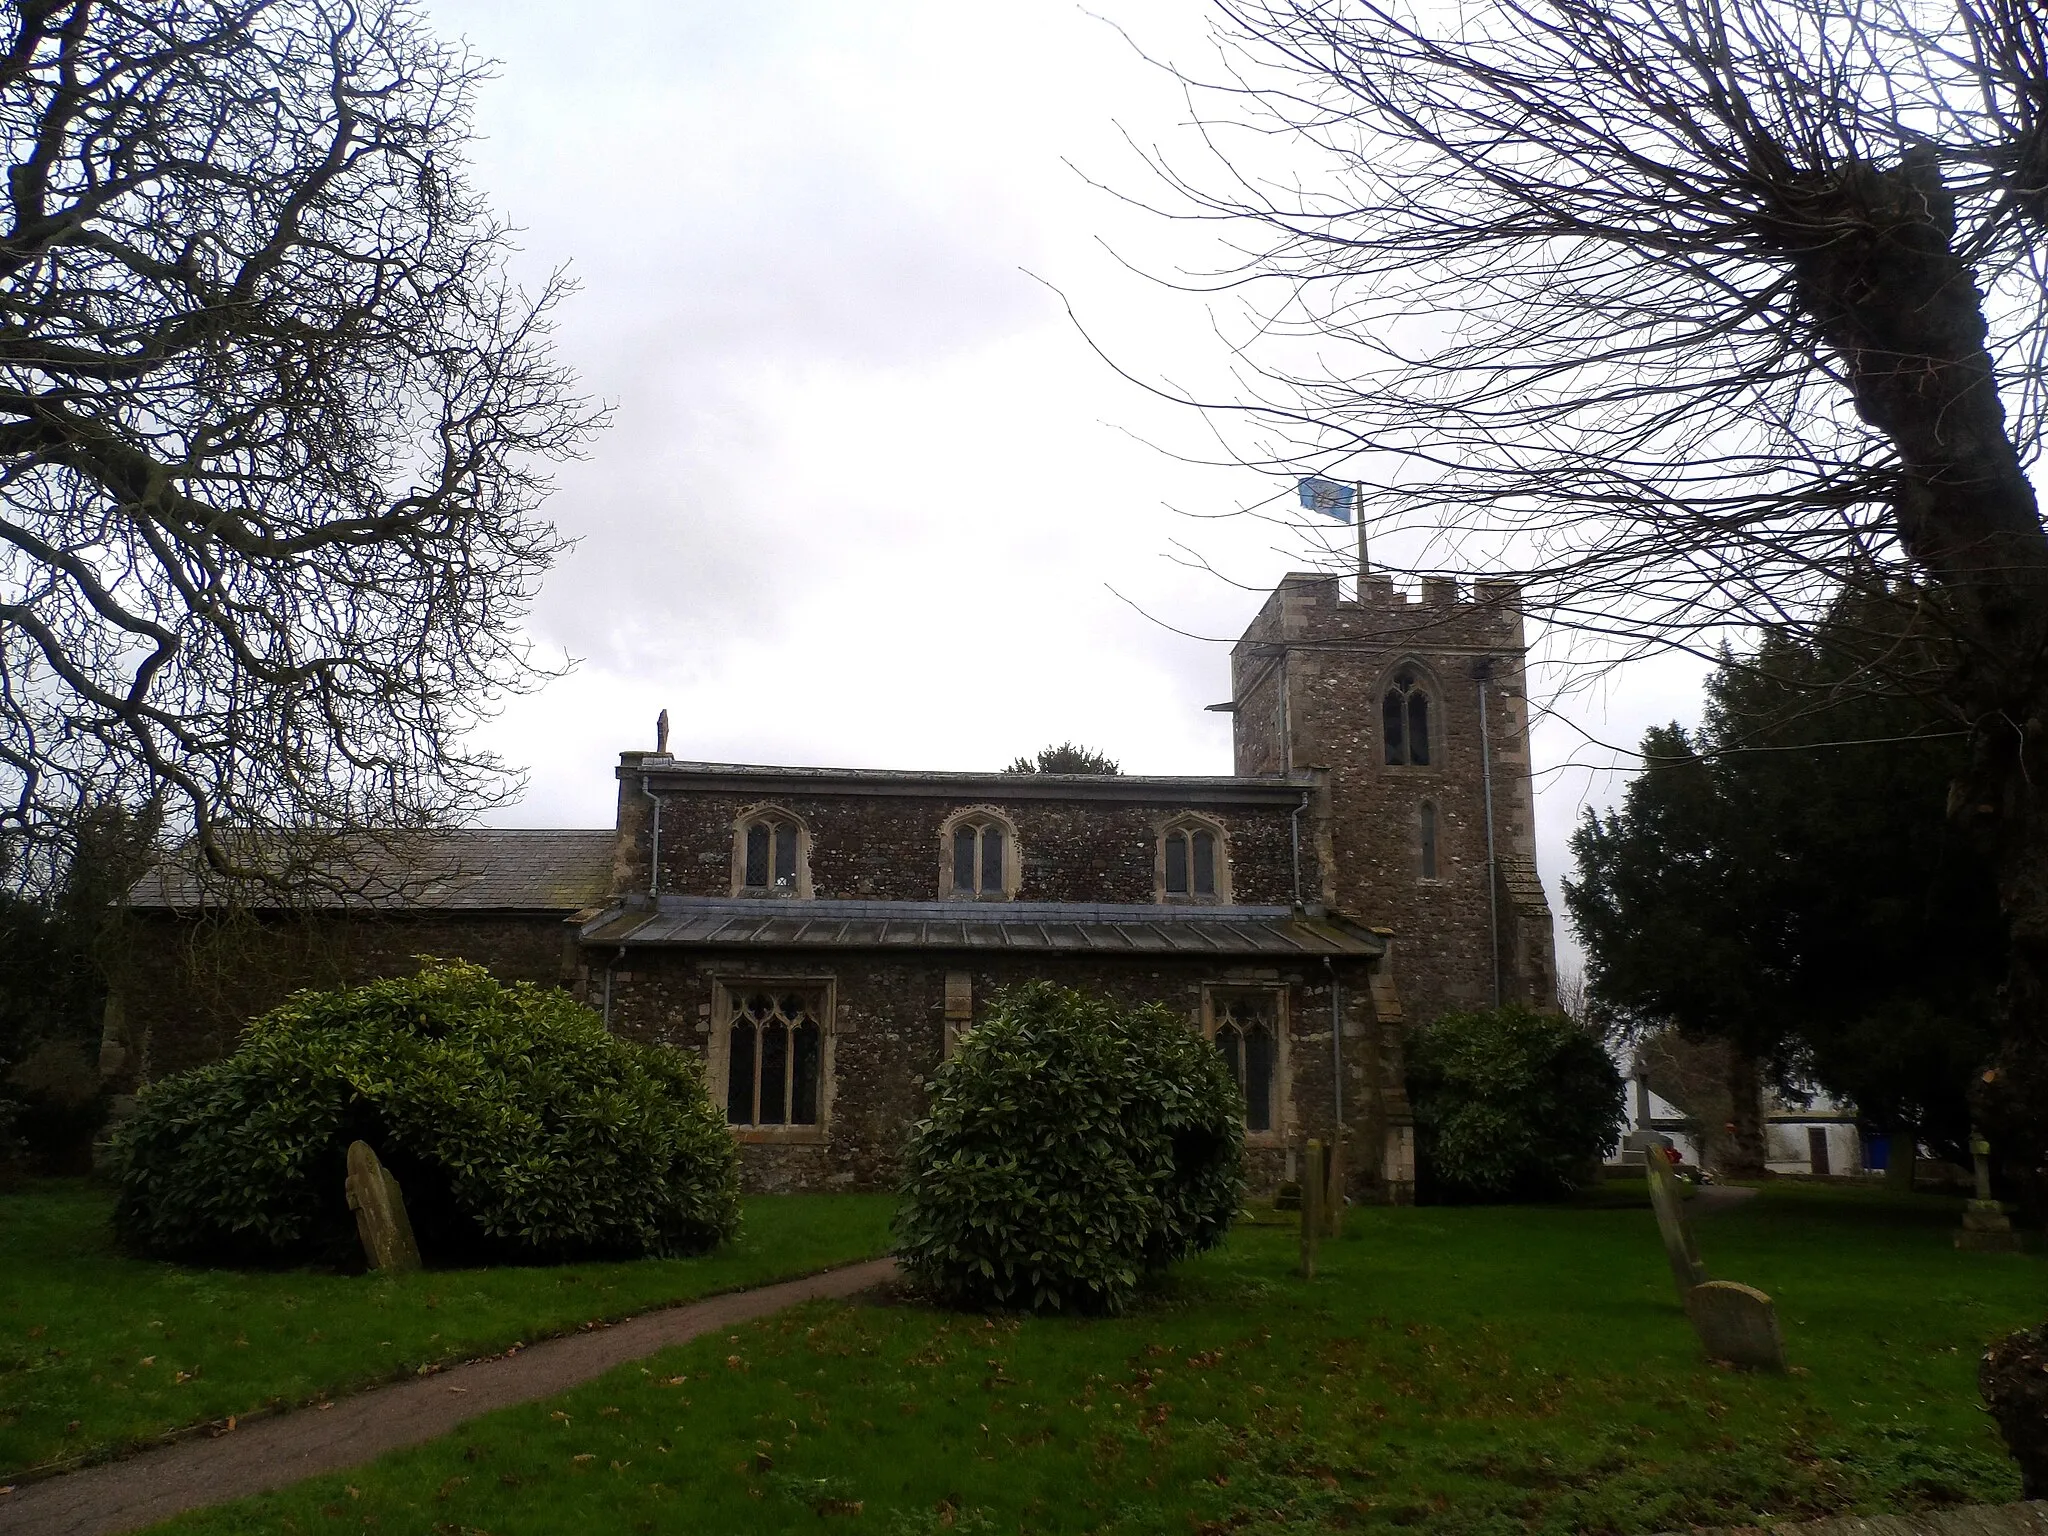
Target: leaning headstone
{"points": [[381, 1222], [1736, 1324], [1986, 1228], [1669, 1203]]}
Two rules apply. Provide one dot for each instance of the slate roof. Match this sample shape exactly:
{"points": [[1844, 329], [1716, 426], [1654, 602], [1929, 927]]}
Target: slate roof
{"points": [[469, 869], [1017, 926]]}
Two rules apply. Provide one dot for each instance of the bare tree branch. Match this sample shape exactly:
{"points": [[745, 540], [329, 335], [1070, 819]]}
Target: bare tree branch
{"points": [[273, 423], [1693, 314]]}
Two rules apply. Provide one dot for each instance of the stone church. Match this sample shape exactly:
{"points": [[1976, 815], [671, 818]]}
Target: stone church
{"points": [[821, 937]]}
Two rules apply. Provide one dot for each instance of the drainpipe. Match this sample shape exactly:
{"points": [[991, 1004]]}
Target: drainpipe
{"points": [[1294, 830], [654, 859], [1482, 673]]}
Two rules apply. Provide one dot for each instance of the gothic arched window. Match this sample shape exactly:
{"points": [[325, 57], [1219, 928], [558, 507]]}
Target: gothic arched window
{"points": [[774, 1057], [1404, 722], [1192, 863], [978, 853], [769, 856], [1247, 1035]]}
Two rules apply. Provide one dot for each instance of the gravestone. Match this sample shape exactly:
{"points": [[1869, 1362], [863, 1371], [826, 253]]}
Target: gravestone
{"points": [[1736, 1324], [1668, 1201], [381, 1222]]}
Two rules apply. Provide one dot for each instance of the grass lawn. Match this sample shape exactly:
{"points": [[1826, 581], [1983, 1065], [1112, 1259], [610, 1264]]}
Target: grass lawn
{"points": [[98, 1351], [1479, 1370]]}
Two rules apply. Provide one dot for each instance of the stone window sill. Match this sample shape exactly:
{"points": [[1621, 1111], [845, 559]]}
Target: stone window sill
{"points": [[780, 1135]]}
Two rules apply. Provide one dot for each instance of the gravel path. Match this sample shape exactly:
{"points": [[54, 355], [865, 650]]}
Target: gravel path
{"points": [[141, 1490]]}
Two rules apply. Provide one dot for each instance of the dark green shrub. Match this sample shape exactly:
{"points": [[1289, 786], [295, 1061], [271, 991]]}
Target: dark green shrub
{"points": [[1510, 1103], [1073, 1147], [518, 1126]]}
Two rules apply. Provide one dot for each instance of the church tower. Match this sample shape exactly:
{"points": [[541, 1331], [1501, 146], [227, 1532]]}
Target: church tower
{"points": [[1407, 722]]}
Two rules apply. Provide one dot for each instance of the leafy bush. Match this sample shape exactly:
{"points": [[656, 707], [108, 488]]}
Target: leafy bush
{"points": [[1510, 1103], [1073, 1147], [517, 1125]]}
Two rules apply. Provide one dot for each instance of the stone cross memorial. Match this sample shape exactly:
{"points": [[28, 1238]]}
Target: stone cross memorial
{"points": [[1986, 1228], [381, 1222], [1736, 1324]]}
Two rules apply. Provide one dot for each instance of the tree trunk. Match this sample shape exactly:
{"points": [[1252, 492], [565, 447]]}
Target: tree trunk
{"points": [[2012, 1096], [1904, 1153], [1879, 276], [1742, 1147]]}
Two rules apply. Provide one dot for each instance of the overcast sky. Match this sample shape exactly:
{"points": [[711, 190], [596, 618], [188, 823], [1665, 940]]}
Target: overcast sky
{"points": [[869, 497]]}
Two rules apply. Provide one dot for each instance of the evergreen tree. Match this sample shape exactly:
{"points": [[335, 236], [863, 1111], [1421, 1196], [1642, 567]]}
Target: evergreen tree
{"points": [[1787, 876], [1067, 757]]}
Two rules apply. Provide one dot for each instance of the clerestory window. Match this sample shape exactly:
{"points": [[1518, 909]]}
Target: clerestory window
{"points": [[770, 857], [1193, 865], [1404, 722], [978, 856], [775, 1057]]}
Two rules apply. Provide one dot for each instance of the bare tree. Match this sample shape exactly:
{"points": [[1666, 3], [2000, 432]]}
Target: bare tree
{"points": [[271, 411], [1692, 311]]}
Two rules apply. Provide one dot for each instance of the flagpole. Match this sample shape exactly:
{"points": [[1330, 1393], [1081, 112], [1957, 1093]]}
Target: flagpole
{"points": [[1358, 514]]}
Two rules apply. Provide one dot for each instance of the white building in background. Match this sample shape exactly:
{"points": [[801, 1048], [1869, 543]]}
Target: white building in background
{"points": [[1819, 1138], [1645, 1111]]}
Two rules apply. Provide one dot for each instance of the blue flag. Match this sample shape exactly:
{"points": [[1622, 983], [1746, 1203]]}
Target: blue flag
{"points": [[1332, 498]]}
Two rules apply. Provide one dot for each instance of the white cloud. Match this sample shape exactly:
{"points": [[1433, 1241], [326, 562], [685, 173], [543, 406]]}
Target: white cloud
{"points": [[868, 488]]}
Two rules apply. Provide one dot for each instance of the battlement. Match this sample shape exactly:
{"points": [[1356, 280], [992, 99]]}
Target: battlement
{"points": [[1444, 614]]}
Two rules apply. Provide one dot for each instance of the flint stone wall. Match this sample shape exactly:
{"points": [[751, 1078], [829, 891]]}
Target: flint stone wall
{"points": [[886, 847], [889, 1035]]}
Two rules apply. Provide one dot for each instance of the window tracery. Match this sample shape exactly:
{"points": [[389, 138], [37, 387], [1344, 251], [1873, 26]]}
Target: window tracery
{"points": [[1193, 862], [775, 1058], [1245, 1027], [1404, 721], [771, 855], [978, 855]]}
